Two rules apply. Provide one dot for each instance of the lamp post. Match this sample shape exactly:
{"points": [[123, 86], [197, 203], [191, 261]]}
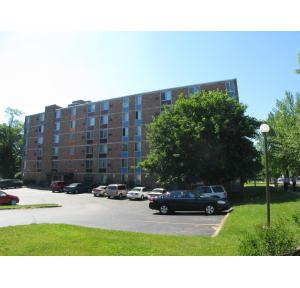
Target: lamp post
{"points": [[264, 129]]}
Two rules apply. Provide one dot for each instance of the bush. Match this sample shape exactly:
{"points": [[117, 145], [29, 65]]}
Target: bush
{"points": [[18, 175], [279, 239]]}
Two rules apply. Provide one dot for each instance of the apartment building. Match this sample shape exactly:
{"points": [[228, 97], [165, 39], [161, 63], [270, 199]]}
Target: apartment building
{"points": [[99, 141]]}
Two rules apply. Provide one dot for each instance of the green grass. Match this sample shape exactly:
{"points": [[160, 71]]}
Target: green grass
{"points": [[60, 239], [29, 206]]}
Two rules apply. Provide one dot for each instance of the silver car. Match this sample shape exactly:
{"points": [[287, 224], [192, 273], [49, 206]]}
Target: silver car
{"points": [[217, 191], [116, 190]]}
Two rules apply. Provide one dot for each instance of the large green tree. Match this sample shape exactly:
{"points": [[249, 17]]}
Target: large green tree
{"points": [[11, 142], [284, 136], [203, 137]]}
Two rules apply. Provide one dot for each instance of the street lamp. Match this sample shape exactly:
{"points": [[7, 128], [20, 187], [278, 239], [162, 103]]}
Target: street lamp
{"points": [[264, 129]]}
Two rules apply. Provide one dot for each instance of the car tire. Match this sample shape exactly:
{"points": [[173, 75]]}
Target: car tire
{"points": [[142, 197], [120, 196], [53, 191], [164, 209], [13, 202], [210, 209]]}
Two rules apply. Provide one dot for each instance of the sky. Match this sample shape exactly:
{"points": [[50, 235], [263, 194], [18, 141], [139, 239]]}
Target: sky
{"points": [[43, 68]]}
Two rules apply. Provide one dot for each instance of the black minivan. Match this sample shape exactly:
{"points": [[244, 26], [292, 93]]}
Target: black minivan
{"points": [[188, 201]]}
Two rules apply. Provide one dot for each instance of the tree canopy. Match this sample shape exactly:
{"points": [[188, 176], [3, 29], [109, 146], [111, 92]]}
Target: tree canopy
{"points": [[11, 143], [203, 137], [284, 136]]}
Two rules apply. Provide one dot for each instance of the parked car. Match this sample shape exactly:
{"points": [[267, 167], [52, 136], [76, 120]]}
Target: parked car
{"points": [[10, 183], [116, 190], [156, 192], [6, 199], [188, 201], [78, 188], [138, 193], [217, 191], [57, 186], [99, 191]]}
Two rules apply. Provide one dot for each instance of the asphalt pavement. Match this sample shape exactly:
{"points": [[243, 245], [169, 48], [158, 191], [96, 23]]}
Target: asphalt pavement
{"points": [[86, 210]]}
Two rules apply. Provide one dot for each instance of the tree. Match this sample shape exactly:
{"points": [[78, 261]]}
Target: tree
{"points": [[298, 70], [204, 137], [284, 136], [11, 143]]}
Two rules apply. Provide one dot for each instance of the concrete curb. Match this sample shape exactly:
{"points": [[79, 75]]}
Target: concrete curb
{"points": [[220, 226]]}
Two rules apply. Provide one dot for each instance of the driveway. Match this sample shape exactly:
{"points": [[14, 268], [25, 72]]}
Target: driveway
{"points": [[86, 210]]}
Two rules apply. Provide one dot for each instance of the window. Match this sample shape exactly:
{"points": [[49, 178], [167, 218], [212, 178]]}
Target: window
{"points": [[72, 150], [42, 117], [125, 102], [166, 95], [125, 117], [103, 148], [138, 115], [38, 164], [73, 111], [137, 179], [137, 147], [73, 124], [54, 165], [137, 161], [102, 178], [90, 135], [72, 136], [41, 129], [57, 114], [124, 178], [230, 88], [104, 120], [104, 105], [193, 89], [138, 131], [40, 140], [55, 151], [138, 100], [189, 194], [103, 133], [56, 139], [124, 163], [176, 194], [39, 152], [125, 147], [57, 126], [89, 149], [102, 163], [125, 131], [91, 121], [91, 108], [89, 164]]}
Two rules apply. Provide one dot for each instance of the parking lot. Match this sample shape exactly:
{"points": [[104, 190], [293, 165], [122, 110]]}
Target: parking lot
{"points": [[86, 210]]}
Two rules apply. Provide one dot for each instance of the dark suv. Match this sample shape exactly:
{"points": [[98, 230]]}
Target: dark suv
{"points": [[10, 183], [78, 188], [188, 201]]}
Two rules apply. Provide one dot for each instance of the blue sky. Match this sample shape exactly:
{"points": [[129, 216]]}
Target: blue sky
{"points": [[43, 68]]}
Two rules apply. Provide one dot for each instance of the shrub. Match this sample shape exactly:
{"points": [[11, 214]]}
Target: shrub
{"points": [[18, 175], [279, 239]]}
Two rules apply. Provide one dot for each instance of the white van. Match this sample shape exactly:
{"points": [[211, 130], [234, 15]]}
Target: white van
{"points": [[116, 190]]}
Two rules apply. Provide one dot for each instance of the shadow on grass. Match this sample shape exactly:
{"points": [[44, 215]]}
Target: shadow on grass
{"points": [[257, 195]]}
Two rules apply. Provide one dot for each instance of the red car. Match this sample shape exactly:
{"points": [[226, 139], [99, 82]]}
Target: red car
{"points": [[6, 199], [57, 186]]}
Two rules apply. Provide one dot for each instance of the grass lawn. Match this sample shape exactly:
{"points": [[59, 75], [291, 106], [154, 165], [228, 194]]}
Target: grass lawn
{"points": [[29, 206], [58, 239]]}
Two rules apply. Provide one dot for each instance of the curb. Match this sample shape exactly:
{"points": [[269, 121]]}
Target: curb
{"points": [[220, 226]]}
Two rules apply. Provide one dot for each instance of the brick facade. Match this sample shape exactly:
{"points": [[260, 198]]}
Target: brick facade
{"points": [[88, 140]]}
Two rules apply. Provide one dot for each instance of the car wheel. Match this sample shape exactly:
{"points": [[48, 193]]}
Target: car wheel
{"points": [[120, 196], [53, 191], [210, 209], [13, 202], [142, 197], [164, 209]]}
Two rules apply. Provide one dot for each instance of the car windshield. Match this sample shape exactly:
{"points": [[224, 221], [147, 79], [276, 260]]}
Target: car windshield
{"points": [[101, 187], [74, 184], [218, 189], [136, 189], [157, 190], [2, 193]]}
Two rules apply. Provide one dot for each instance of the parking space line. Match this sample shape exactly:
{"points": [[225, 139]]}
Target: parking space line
{"points": [[182, 223]]}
